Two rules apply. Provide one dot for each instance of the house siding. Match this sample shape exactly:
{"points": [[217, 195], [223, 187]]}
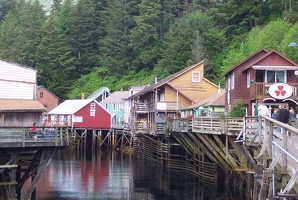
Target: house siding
{"points": [[48, 100], [197, 91], [101, 120], [20, 119], [171, 96], [242, 93], [17, 82]]}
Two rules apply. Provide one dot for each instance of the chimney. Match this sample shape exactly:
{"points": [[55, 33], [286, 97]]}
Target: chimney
{"points": [[156, 79], [83, 96], [219, 88]]}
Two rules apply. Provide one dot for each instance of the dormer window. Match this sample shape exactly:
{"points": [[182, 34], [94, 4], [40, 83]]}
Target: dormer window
{"points": [[275, 76], [196, 76]]}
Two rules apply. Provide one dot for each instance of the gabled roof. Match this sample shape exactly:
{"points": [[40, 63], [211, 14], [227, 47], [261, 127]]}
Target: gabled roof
{"points": [[172, 86], [165, 80], [268, 54], [72, 106], [246, 60], [217, 99], [99, 92], [40, 86], [251, 63], [23, 105], [116, 97]]}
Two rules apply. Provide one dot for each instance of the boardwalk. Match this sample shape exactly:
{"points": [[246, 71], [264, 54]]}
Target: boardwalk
{"points": [[25, 155], [249, 144]]}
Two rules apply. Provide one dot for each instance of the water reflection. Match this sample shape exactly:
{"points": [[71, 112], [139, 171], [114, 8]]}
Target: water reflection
{"points": [[111, 176]]}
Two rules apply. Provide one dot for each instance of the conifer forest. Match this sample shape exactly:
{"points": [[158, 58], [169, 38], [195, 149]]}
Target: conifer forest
{"points": [[80, 46]]}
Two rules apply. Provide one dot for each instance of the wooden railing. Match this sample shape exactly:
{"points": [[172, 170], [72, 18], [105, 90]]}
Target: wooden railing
{"points": [[282, 149], [259, 90], [14, 137], [161, 106]]}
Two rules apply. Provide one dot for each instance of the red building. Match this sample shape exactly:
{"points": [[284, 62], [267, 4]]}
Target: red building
{"points": [[80, 113], [46, 98], [265, 75]]}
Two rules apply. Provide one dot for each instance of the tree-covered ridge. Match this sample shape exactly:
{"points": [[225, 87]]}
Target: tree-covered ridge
{"points": [[80, 46]]}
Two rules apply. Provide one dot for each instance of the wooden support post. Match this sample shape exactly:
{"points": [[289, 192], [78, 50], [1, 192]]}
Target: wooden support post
{"points": [[93, 139], [284, 157]]}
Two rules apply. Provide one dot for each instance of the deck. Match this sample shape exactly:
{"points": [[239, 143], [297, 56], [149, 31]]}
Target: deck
{"points": [[273, 154], [18, 137], [25, 155]]}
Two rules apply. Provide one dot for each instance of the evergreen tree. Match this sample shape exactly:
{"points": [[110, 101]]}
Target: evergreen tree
{"points": [[144, 36], [84, 36], [190, 40], [27, 20], [56, 62], [114, 49]]}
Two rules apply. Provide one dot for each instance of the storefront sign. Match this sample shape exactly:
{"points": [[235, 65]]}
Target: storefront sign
{"points": [[280, 91]]}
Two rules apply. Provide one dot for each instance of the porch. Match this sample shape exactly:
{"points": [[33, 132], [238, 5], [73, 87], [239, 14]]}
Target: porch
{"points": [[259, 90]]}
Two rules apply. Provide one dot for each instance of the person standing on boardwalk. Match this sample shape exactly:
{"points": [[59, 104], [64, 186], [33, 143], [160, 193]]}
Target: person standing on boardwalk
{"points": [[262, 109], [283, 114]]}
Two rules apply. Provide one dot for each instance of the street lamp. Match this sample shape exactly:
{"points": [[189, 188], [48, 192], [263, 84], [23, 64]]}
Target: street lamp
{"points": [[294, 44]]}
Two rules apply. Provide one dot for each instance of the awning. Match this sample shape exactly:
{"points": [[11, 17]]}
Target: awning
{"points": [[274, 68]]}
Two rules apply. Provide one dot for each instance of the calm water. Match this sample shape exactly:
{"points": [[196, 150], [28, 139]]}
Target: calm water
{"points": [[112, 176]]}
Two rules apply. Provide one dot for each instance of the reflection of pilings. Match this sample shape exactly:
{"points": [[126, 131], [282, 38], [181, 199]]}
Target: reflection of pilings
{"points": [[96, 139], [18, 167]]}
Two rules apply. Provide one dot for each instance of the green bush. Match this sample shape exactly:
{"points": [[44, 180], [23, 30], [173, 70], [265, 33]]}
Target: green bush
{"points": [[238, 110]]}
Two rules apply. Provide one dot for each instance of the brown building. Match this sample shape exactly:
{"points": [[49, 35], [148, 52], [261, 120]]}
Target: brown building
{"points": [[46, 98], [157, 103], [265, 75], [20, 112]]}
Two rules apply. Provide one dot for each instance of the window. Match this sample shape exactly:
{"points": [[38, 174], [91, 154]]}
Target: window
{"points": [[248, 79], [275, 77], [229, 82], [41, 95], [119, 106], [196, 76], [92, 106], [232, 80]]}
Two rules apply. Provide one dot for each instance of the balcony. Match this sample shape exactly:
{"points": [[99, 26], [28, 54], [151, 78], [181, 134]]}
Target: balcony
{"points": [[161, 106], [259, 90]]}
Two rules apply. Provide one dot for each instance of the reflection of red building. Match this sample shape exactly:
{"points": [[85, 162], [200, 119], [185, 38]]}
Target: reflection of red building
{"points": [[80, 178], [94, 175]]}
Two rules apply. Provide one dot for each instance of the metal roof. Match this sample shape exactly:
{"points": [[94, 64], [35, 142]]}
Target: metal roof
{"points": [[217, 99], [8, 105], [98, 92], [116, 97], [71, 106]]}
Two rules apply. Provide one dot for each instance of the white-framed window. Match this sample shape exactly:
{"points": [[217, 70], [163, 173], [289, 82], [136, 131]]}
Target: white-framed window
{"points": [[229, 82], [92, 105], [114, 106], [232, 80], [275, 77], [248, 79], [119, 106], [196, 76]]}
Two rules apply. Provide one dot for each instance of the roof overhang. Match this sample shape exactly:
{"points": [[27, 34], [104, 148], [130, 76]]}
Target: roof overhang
{"points": [[274, 68]]}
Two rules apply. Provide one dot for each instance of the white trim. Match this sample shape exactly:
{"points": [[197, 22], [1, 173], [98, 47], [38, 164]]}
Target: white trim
{"points": [[199, 77], [274, 68]]}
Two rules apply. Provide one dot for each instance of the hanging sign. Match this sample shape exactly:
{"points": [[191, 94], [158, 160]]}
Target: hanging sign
{"points": [[280, 91]]}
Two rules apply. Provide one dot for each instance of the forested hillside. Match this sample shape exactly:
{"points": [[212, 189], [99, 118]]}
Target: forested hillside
{"points": [[80, 46]]}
